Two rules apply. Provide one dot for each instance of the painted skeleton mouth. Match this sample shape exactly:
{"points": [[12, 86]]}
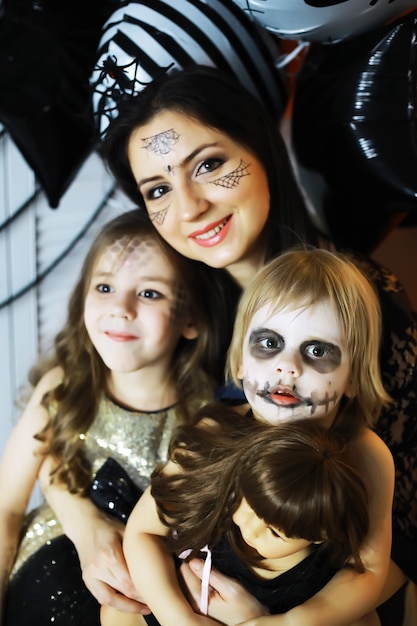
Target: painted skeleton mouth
{"points": [[213, 231], [281, 395]]}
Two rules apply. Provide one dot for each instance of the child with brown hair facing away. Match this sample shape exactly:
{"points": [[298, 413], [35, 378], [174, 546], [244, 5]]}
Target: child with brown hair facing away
{"points": [[139, 354], [280, 508], [305, 347]]}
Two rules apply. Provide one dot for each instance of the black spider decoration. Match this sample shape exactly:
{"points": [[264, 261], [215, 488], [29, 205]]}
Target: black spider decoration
{"points": [[123, 86]]}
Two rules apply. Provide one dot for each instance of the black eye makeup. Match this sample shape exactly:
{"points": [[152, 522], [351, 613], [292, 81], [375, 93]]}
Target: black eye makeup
{"points": [[265, 343], [323, 356]]}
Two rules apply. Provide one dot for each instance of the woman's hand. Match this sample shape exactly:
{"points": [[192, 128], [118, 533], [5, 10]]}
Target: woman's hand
{"points": [[229, 602], [98, 541]]}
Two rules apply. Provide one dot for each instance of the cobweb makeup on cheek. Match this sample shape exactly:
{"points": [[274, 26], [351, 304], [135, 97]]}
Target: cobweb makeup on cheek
{"points": [[179, 306], [158, 217], [232, 179]]}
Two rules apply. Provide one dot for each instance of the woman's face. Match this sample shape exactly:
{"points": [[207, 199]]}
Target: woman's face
{"points": [[206, 195], [295, 364]]}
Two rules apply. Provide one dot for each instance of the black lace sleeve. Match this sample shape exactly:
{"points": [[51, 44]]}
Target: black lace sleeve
{"points": [[397, 425]]}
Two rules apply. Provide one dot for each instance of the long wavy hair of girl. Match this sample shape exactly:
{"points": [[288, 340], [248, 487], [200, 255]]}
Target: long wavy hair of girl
{"points": [[197, 364]]}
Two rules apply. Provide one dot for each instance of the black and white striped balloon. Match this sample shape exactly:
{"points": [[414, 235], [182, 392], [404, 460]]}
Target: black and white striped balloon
{"points": [[144, 38]]}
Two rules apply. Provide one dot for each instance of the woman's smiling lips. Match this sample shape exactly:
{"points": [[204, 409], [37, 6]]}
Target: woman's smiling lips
{"points": [[212, 234]]}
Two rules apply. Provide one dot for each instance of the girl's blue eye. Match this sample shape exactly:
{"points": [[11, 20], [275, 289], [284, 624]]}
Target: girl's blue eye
{"points": [[265, 343], [319, 350], [150, 294], [269, 344], [104, 288]]}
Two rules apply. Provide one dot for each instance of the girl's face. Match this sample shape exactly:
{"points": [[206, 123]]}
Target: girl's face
{"points": [[295, 364], [134, 311], [206, 195], [267, 540]]}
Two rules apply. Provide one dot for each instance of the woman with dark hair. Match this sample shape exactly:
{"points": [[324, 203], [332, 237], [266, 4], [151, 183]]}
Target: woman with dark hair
{"points": [[209, 165]]}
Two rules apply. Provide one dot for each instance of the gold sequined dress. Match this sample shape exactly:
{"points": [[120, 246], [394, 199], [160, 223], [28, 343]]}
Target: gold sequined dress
{"points": [[46, 585]]}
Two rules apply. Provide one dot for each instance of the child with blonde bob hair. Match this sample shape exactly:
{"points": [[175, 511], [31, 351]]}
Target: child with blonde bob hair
{"points": [[301, 279]]}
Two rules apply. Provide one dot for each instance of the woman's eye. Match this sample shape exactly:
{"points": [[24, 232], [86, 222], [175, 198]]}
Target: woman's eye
{"points": [[103, 288], [150, 294], [209, 165], [156, 192]]}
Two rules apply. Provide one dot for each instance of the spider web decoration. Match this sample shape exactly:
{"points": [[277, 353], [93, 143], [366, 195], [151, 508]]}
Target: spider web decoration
{"points": [[145, 38]]}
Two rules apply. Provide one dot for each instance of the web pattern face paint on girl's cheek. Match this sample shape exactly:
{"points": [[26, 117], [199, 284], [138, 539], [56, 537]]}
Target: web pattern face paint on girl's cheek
{"points": [[179, 306], [232, 179], [161, 143]]}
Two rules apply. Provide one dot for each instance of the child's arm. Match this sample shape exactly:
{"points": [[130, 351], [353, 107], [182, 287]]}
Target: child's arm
{"points": [[19, 466], [349, 595], [98, 541], [152, 566]]}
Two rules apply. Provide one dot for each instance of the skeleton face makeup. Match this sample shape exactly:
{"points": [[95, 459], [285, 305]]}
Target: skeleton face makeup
{"points": [[295, 364], [206, 195]]}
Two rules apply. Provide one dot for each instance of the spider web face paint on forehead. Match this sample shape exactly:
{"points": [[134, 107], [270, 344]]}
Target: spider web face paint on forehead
{"points": [[139, 252], [135, 250], [161, 143]]}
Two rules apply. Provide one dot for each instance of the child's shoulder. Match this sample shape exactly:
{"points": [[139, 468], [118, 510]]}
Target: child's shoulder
{"points": [[48, 381], [368, 438], [372, 452]]}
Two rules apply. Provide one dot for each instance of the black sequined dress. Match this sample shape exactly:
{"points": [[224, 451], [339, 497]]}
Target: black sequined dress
{"points": [[46, 586]]}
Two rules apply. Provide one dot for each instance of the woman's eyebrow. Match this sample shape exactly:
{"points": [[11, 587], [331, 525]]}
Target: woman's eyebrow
{"points": [[183, 162]]}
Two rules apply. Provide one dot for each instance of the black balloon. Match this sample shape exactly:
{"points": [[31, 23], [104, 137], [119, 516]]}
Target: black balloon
{"points": [[47, 52], [354, 132]]}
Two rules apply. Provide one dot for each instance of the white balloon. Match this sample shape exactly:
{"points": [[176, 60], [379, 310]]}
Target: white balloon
{"points": [[325, 21]]}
